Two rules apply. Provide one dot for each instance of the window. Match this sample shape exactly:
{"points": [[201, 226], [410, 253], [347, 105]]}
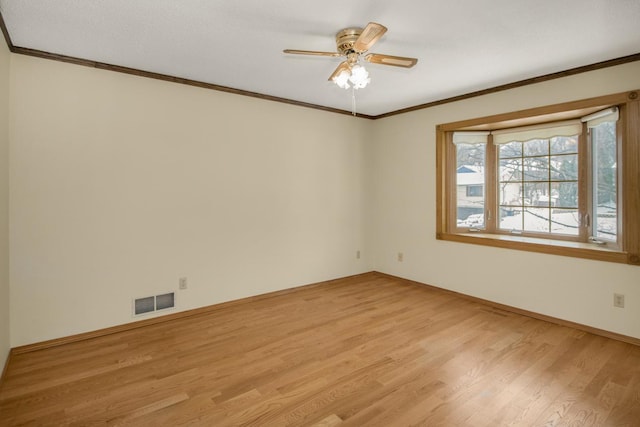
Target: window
{"points": [[538, 179], [470, 178], [603, 145], [558, 179], [474, 190]]}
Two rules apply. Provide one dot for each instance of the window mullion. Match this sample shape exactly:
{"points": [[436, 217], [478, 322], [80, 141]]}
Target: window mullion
{"points": [[492, 211], [628, 192], [585, 184], [450, 156], [628, 206], [550, 207]]}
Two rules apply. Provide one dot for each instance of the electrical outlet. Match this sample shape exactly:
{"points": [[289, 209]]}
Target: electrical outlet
{"points": [[618, 300], [182, 282], [357, 254], [400, 257]]}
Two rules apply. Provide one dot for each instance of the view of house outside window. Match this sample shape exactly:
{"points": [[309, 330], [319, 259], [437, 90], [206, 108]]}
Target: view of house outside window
{"points": [[470, 184]]}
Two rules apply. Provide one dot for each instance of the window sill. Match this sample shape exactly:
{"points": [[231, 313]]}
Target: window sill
{"points": [[551, 247]]}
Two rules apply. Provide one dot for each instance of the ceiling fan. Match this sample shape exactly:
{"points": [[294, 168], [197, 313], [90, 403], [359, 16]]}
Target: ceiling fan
{"points": [[353, 43]]}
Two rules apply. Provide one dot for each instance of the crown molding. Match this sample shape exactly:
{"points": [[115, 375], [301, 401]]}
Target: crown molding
{"points": [[526, 82], [168, 78]]}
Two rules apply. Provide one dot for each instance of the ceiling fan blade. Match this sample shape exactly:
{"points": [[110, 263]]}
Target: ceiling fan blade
{"points": [[310, 52], [397, 61], [344, 65], [371, 33]]}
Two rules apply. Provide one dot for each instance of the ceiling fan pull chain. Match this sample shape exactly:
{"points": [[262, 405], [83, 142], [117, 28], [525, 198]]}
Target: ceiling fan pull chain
{"points": [[353, 100]]}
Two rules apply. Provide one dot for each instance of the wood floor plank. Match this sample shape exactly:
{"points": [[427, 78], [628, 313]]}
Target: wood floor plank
{"points": [[367, 350]]}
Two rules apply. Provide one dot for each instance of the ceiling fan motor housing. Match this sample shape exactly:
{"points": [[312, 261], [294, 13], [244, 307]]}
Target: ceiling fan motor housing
{"points": [[345, 39]]}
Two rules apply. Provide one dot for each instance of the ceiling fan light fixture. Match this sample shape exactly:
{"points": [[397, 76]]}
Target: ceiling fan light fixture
{"points": [[359, 77], [342, 79]]}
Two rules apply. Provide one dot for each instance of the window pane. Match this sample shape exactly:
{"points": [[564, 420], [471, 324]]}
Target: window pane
{"points": [[510, 219], [511, 149], [470, 185], [564, 145], [536, 168], [511, 170], [605, 215], [565, 221], [607, 224], [536, 220], [536, 194], [510, 193], [564, 194], [564, 168], [536, 147]]}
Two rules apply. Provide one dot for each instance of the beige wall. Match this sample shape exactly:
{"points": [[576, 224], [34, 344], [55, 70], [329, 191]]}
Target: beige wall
{"points": [[402, 175], [120, 185], [4, 203]]}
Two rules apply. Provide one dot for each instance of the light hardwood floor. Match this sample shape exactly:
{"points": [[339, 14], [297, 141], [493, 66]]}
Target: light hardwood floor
{"points": [[366, 350]]}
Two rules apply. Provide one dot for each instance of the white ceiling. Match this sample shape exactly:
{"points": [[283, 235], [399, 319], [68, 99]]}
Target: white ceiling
{"points": [[462, 45]]}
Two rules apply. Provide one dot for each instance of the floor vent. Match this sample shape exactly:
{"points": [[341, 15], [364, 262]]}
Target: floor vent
{"points": [[153, 303]]}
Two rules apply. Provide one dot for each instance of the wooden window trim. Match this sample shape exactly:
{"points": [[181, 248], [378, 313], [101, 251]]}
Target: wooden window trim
{"points": [[629, 251]]}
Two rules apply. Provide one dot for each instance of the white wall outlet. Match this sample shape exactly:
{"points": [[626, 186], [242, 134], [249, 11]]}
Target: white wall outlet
{"points": [[182, 282], [357, 254], [400, 257], [618, 300]]}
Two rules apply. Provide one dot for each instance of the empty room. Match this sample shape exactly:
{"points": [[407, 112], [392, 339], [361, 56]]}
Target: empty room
{"points": [[286, 213]]}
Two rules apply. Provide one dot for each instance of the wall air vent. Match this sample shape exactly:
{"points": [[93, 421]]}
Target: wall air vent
{"points": [[153, 303], [165, 301]]}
